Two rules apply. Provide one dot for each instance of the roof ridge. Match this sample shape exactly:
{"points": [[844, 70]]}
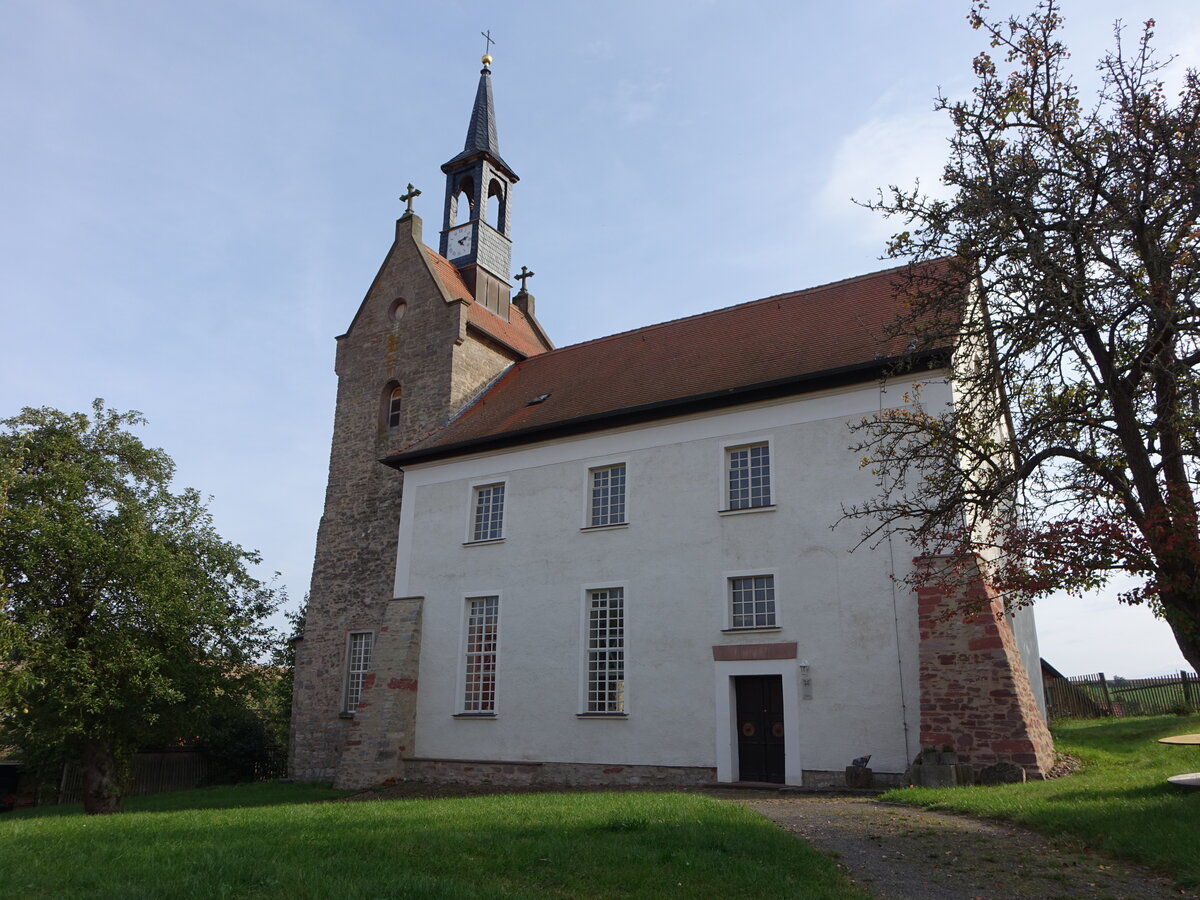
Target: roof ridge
{"points": [[778, 345], [725, 309]]}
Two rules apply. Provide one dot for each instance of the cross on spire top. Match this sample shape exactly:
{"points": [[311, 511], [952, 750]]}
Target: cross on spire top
{"points": [[409, 197], [487, 48]]}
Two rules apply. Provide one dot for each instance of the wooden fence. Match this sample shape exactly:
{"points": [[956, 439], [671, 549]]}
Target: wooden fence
{"points": [[1095, 696], [153, 773], [170, 770]]}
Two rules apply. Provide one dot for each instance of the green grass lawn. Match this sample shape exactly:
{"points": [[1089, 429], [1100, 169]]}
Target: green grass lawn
{"points": [[1119, 802], [527, 845]]}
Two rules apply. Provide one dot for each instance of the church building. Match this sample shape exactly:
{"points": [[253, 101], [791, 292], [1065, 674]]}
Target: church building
{"points": [[613, 562]]}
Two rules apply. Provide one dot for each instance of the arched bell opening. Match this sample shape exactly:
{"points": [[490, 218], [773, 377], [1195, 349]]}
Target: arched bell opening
{"points": [[496, 205]]}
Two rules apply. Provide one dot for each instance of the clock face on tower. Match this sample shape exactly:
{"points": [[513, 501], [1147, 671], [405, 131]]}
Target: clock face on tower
{"points": [[459, 242]]}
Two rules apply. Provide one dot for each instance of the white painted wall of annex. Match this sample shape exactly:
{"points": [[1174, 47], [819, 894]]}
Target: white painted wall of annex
{"points": [[672, 559]]}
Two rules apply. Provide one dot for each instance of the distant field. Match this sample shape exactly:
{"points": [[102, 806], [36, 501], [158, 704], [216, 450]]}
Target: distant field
{"points": [[530, 845], [1119, 802]]}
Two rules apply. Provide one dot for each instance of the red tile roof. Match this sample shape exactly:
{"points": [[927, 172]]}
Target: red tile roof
{"points": [[783, 343], [517, 333], [449, 276]]}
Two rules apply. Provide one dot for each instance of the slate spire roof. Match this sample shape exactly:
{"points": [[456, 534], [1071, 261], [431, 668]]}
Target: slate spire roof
{"points": [[481, 132]]}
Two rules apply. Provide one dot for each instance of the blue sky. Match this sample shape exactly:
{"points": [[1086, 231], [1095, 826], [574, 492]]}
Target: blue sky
{"points": [[196, 196]]}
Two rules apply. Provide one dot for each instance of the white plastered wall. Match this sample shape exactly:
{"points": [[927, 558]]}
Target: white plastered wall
{"points": [[851, 621]]}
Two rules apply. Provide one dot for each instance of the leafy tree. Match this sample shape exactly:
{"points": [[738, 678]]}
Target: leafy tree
{"points": [[283, 660], [1071, 452], [125, 620], [248, 741]]}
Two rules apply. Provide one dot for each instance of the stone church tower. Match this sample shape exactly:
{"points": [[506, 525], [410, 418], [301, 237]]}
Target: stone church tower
{"points": [[432, 331]]}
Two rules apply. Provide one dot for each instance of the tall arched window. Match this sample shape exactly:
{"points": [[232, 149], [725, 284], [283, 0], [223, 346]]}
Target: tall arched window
{"points": [[393, 400]]}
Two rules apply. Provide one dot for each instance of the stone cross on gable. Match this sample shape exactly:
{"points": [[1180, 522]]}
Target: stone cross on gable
{"points": [[409, 197], [523, 276]]}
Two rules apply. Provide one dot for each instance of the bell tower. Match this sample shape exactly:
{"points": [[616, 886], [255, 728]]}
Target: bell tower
{"points": [[477, 222], [427, 337]]}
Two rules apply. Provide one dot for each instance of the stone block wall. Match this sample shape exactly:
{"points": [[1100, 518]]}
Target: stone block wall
{"points": [[476, 362], [409, 331], [383, 731], [975, 693]]}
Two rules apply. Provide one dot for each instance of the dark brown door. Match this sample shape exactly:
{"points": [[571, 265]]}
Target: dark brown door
{"points": [[760, 727]]}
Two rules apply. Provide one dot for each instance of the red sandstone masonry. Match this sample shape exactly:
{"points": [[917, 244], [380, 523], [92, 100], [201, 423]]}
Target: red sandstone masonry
{"points": [[782, 650], [386, 720], [975, 693]]}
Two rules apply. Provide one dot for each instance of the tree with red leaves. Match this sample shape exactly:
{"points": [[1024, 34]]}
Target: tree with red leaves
{"points": [[1070, 454]]}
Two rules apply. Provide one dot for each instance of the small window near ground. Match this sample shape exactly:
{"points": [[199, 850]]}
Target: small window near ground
{"points": [[358, 663], [752, 601], [608, 496]]}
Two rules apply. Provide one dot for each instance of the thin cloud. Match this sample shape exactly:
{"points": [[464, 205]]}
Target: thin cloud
{"points": [[637, 101], [885, 150]]}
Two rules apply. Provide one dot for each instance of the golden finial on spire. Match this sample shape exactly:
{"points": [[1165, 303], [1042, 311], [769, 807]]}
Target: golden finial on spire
{"points": [[487, 56]]}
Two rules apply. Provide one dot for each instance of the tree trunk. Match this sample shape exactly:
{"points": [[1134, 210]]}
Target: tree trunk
{"points": [[1182, 612], [1189, 646], [104, 772]]}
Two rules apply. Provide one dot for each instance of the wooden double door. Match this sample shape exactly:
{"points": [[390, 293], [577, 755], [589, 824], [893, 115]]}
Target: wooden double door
{"points": [[760, 727]]}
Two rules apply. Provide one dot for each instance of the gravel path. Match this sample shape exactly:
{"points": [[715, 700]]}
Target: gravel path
{"points": [[900, 852]]}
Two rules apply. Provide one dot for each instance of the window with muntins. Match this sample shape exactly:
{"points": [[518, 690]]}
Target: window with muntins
{"points": [[608, 496], [753, 601], [483, 620], [748, 471], [358, 663], [606, 651], [394, 403], [489, 513]]}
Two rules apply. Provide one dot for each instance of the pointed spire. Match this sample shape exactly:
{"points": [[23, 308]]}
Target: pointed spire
{"points": [[481, 132]]}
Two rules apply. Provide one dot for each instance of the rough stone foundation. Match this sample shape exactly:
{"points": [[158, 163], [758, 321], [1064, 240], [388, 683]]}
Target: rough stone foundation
{"points": [[504, 773], [833, 780], [553, 774]]}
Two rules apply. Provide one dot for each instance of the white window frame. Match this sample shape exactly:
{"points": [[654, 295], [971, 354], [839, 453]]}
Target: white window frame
{"points": [[588, 706], [482, 706], [731, 616], [727, 490], [474, 509], [395, 405], [589, 515], [352, 683]]}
